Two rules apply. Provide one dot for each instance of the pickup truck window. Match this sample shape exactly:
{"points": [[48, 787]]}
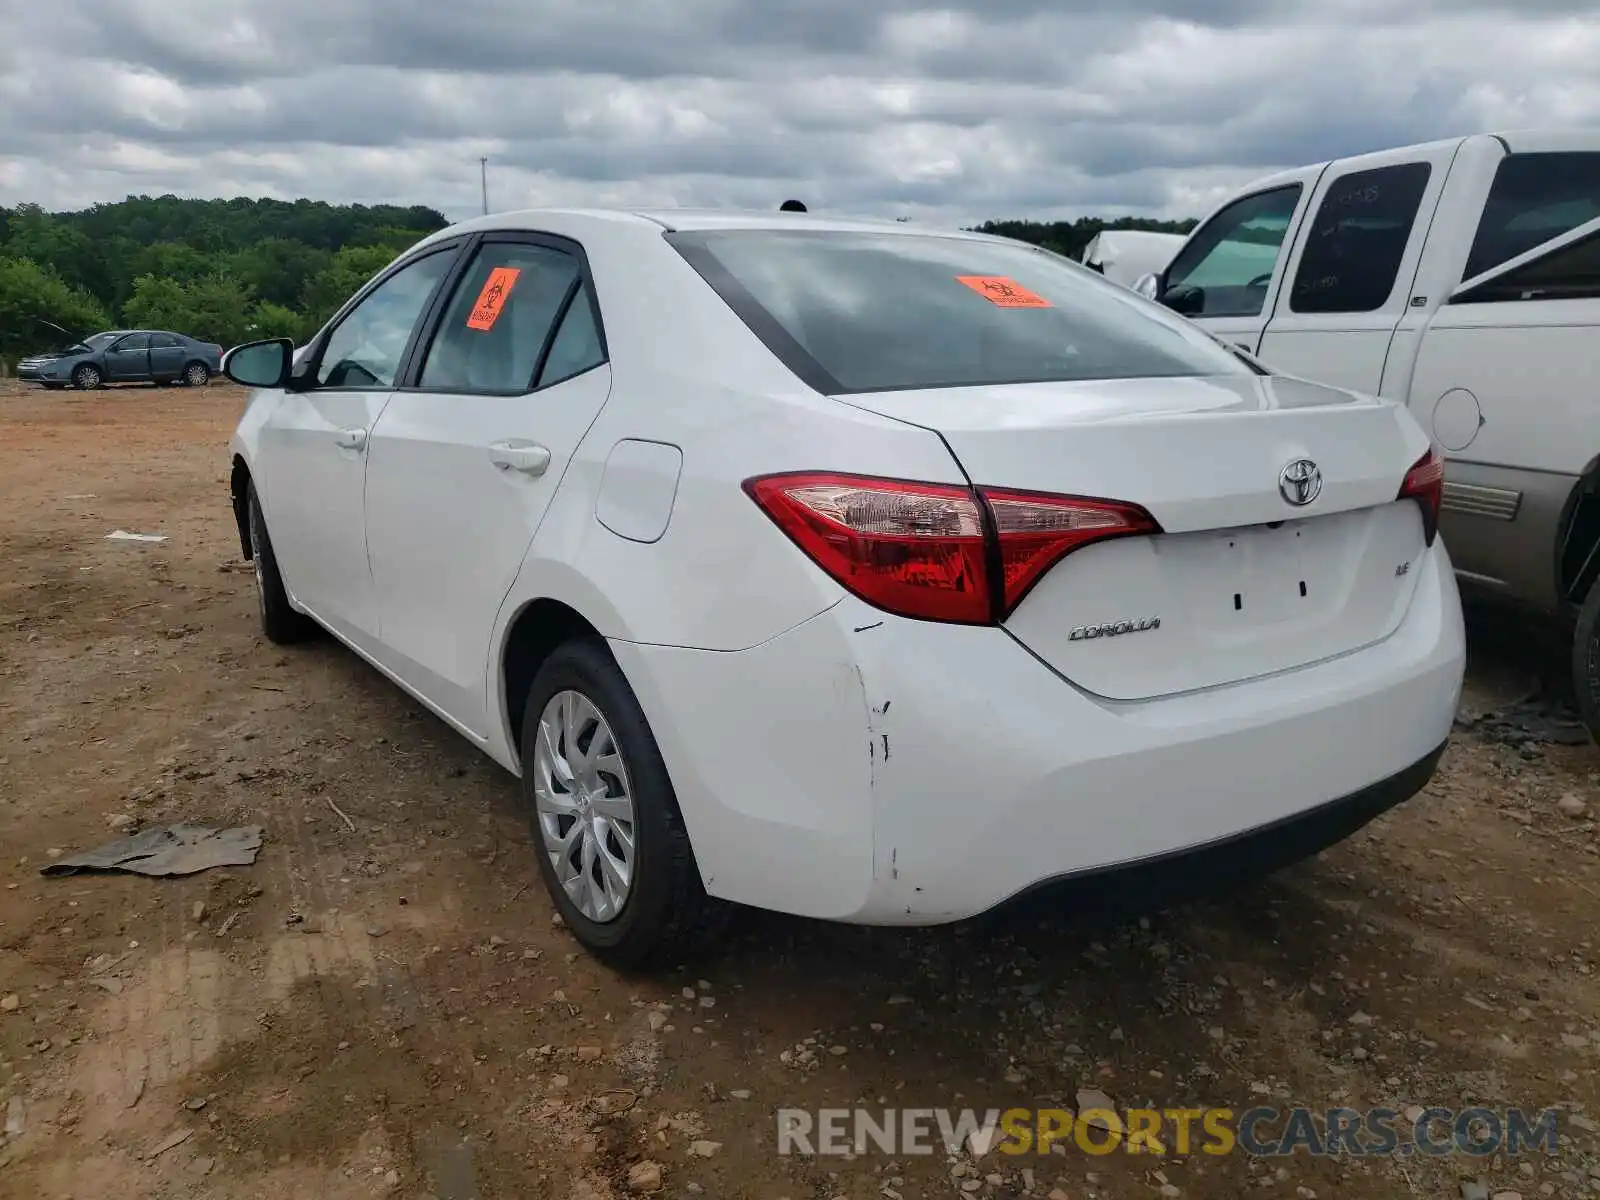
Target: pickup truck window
{"points": [[1570, 273], [1357, 239], [1535, 197], [1232, 258]]}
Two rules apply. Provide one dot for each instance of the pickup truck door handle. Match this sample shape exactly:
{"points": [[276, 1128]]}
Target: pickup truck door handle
{"points": [[351, 439], [529, 458]]}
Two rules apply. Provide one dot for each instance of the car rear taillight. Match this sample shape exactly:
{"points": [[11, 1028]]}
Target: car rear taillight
{"points": [[1037, 530], [1424, 483], [938, 552]]}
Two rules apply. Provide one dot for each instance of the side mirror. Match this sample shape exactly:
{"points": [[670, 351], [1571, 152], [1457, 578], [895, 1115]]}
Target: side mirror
{"points": [[1148, 286], [1185, 299], [260, 364]]}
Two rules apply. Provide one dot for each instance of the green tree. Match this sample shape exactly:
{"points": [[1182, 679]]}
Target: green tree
{"points": [[158, 303], [340, 279], [215, 308], [31, 295], [278, 320], [277, 269]]}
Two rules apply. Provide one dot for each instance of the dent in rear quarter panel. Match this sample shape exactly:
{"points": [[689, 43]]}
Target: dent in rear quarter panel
{"points": [[769, 751]]}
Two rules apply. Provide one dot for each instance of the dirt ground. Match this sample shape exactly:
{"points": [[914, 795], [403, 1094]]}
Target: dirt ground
{"points": [[382, 1005]]}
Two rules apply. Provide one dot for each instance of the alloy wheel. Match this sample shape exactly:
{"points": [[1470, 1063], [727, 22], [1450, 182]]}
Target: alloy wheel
{"points": [[584, 805]]}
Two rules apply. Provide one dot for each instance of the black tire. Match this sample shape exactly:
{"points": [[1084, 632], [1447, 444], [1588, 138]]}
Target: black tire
{"points": [[196, 374], [279, 621], [667, 918], [1586, 662], [87, 377]]}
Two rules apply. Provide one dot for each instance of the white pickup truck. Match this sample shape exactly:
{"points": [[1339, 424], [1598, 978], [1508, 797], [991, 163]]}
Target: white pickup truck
{"points": [[1462, 279]]}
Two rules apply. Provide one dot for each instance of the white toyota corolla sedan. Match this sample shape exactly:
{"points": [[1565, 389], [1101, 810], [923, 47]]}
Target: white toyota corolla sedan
{"points": [[851, 570]]}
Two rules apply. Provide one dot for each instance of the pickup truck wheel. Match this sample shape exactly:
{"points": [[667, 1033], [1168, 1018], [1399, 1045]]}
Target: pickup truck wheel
{"points": [[86, 378], [1586, 662], [279, 621], [607, 831], [196, 374]]}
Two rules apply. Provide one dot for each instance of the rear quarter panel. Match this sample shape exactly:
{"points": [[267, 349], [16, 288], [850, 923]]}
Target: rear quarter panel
{"points": [[1507, 390]]}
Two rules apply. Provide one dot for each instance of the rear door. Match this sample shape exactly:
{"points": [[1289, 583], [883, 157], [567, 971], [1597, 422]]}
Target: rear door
{"points": [[312, 457], [1352, 265], [1231, 267], [166, 356], [468, 453], [128, 358]]}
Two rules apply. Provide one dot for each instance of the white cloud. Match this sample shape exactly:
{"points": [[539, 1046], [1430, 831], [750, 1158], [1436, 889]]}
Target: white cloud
{"points": [[953, 111]]}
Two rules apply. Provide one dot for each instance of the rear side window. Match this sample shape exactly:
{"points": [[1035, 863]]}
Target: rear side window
{"points": [[1569, 273], [1535, 197], [576, 346], [162, 341], [863, 312], [1357, 240], [502, 316]]}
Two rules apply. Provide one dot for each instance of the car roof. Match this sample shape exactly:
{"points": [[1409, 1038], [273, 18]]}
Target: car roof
{"points": [[696, 219]]}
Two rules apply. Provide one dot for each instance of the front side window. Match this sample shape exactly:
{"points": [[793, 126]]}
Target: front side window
{"points": [[502, 315], [861, 312], [1570, 273], [1357, 240], [1232, 258], [365, 349], [134, 341], [1534, 198]]}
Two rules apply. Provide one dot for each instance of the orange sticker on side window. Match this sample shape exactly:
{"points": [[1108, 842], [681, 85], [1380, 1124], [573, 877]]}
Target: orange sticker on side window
{"points": [[486, 309], [1007, 293]]}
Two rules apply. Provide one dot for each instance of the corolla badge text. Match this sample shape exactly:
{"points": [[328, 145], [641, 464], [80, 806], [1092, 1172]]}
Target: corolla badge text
{"points": [[1113, 629]]}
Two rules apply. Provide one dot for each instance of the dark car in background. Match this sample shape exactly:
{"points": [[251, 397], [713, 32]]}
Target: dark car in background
{"points": [[125, 356]]}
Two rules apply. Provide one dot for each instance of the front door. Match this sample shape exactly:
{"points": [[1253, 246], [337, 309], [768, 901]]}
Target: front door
{"points": [[1352, 267], [313, 449], [465, 459], [1231, 266], [129, 358]]}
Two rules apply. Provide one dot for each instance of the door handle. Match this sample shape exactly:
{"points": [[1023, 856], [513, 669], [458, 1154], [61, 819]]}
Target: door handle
{"points": [[351, 439], [529, 458]]}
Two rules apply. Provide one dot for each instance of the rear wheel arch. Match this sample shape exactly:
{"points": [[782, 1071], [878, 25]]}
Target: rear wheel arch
{"points": [[1577, 549], [534, 634]]}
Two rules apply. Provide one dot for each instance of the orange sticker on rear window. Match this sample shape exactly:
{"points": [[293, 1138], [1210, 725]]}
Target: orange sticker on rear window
{"points": [[1007, 293], [486, 309]]}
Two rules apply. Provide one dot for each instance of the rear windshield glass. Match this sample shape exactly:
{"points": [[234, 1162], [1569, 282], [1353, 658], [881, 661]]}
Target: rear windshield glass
{"points": [[864, 312]]}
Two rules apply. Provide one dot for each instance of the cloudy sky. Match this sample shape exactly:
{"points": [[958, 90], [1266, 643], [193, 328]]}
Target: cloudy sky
{"points": [[959, 112]]}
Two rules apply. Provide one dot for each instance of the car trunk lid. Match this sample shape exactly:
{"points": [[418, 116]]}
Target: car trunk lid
{"points": [[1241, 582]]}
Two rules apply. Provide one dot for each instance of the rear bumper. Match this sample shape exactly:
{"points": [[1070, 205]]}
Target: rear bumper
{"points": [[1202, 870], [867, 768]]}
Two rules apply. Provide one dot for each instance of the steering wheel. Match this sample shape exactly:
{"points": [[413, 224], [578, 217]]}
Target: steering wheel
{"points": [[1260, 280]]}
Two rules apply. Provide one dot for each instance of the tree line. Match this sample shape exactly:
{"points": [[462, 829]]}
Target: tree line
{"points": [[228, 271]]}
